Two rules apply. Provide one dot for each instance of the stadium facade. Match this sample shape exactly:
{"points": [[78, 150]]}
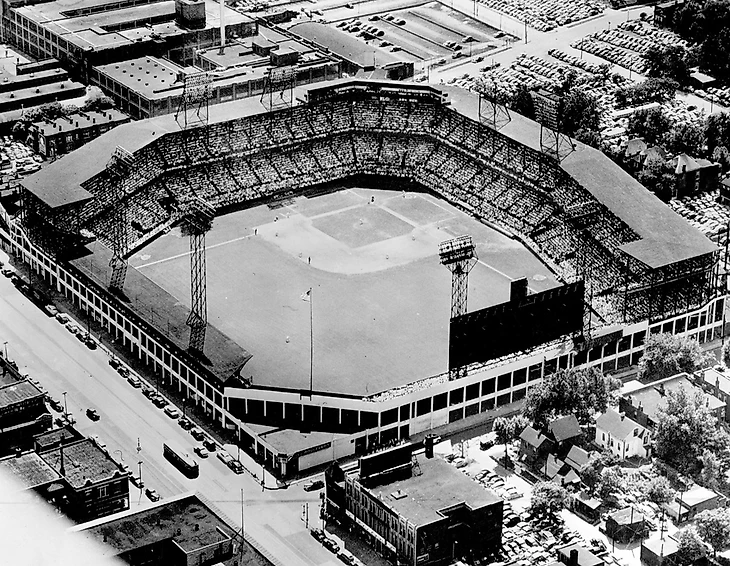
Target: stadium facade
{"points": [[644, 269]]}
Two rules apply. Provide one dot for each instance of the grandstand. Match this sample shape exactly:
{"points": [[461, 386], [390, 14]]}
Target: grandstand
{"points": [[584, 217]]}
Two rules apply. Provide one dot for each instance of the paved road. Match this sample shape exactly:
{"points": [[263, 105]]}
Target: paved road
{"points": [[49, 353]]}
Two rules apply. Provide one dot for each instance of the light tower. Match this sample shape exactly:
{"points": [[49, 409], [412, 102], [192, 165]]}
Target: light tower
{"points": [[460, 256], [193, 107], [197, 220], [118, 168], [548, 113], [493, 111]]}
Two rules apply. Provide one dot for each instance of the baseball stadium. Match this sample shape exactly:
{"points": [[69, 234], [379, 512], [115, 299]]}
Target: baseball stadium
{"points": [[284, 267]]}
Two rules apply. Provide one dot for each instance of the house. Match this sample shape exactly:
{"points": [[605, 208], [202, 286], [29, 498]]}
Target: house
{"points": [[534, 447], [641, 401], [716, 382], [577, 555], [587, 507], [577, 457], [694, 175], [634, 153], [626, 525], [557, 471], [565, 431], [688, 503], [659, 551], [621, 436]]}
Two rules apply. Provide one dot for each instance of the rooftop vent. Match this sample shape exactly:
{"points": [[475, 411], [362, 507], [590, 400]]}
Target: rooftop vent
{"points": [[399, 494]]}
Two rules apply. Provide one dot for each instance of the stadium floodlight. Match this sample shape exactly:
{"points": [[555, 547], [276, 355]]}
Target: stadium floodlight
{"points": [[456, 250]]}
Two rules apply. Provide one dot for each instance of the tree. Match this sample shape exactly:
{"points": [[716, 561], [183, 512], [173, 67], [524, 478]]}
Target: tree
{"points": [[713, 526], [666, 355], [721, 155], [508, 429], [650, 124], [590, 474], [99, 102], [548, 499], [668, 61], [686, 137], [711, 472], [579, 112], [649, 90], [611, 482], [522, 102], [580, 392], [659, 491], [685, 428], [717, 130], [689, 547]]}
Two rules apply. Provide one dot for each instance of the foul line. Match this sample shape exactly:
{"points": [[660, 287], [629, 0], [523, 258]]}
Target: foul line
{"points": [[501, 273], [188, 253]]}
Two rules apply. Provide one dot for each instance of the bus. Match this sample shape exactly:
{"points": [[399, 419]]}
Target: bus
{"points": [[180, 457]]}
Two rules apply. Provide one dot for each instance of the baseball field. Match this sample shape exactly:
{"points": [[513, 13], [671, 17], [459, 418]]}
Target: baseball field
{"points": [[379, 301]]}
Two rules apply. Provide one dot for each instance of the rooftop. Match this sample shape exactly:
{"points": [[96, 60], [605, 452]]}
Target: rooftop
{"points": [[564, 428], [80, 120], [618, 425], [697, 495], [627, 516], [439, 486], [84, 463], [291, 442], [186, 519], [53, 438], [719, 379], [661, 547], [29, 469], [577, 457], [17, 393], [533, 437], [585, 556], [651, 396]]}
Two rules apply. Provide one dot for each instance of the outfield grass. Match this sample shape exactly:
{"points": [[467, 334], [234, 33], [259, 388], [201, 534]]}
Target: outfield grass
{"points": [[381, 300]]}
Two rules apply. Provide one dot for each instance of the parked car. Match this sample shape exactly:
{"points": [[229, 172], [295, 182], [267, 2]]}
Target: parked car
{"points": [[92, 414], [201, 451], [160, 402], [347, 558], [62, 317], [123, 371], [134, 382], [8, 271], [72, 328], [136, 481], [90, 342], [225, 457], [197, 434], [318, 535], [185, 424], [210, 444], [236, 466], [51, 310], [149, 393], [172, 412], [152, 494], [313, 485], [331, 545]]}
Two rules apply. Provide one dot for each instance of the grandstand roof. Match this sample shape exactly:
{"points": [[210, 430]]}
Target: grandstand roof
{"points": [[666, 237]]}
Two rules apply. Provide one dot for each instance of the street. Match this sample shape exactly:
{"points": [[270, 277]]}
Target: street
{"points": [[48, 353]]}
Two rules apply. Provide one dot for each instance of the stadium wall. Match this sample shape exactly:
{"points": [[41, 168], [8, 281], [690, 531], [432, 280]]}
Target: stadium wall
{"points": [[384, 418]]}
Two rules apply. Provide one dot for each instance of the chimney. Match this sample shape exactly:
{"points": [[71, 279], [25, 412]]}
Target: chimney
{"points": [[623, 416], [573, 557], [518, 289], [428, 445], [62, 470], [197, 526]]}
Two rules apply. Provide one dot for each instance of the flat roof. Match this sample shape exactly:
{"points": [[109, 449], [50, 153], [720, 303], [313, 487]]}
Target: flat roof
{"points": [[344, 45], [585, 556], [697, 495], [18, 392], [292, 442], [80, 121], [652, 395], [186, 519], [439, 486], [83, 462], [29, 469], [627, 516], [56, 436]]}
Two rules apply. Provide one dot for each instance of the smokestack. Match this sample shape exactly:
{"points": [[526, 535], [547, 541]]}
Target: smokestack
{"points": [[573, 557], [223, 28]]}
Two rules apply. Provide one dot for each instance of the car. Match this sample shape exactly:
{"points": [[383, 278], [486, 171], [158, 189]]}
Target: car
{"points": [[92, 414], [50, 310], [347, 558], [114, 362], [136, 481], [224, 457], [197, 434], [149, 393], [55, 404], [185, 424], [152, 494], [160, 402], [90, 342], [72, 328], [374, 18], [61, 422], [313, 485], [210, 444], [172, 412], [331, 545], [201, 451], [63, 318], [80, 335], [318, 535], [123, 371], [8, 271], [134, 382], [236, 466]]}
